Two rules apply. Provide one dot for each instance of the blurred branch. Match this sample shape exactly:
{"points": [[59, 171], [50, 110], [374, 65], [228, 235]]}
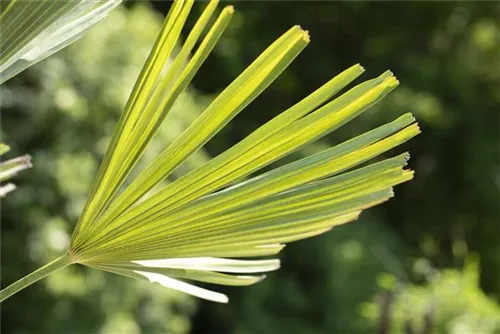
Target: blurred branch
{"points": [[385, 312]]}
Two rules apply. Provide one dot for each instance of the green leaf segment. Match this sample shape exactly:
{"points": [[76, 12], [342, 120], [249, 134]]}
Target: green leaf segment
{"points": [[33, 30], [200, 226]]}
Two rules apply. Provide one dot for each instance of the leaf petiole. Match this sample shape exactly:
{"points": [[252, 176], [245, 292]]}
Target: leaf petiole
{"points": [[35, 276]]}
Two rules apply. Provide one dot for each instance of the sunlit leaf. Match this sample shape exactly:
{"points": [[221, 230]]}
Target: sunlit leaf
{"points": [[33, 30], [194, 223], [194, 227]]}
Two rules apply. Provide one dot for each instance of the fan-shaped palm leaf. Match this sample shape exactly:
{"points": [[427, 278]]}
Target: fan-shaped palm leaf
{"points": [[191, 228]]}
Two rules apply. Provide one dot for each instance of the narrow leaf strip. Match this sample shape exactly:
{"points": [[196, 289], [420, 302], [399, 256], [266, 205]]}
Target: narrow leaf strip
{"points": [[184, 287], [170, 283], [214, 264], [187, 274]]}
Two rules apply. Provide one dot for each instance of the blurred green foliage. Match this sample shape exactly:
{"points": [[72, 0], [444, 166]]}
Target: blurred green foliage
{"points": [[447, 56], [451, 301]]}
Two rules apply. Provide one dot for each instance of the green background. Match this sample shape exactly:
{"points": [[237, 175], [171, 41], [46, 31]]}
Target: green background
{"points": [[432, 252]]}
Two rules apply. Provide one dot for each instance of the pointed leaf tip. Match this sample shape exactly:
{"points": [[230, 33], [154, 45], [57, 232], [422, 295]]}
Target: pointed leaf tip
{"points": [[4, 190], [4, 148]]}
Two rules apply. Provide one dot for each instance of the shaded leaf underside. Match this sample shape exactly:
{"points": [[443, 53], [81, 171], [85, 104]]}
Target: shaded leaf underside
{"points": [[33, 30]]}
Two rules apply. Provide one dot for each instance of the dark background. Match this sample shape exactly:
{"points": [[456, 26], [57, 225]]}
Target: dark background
{"points": [[440, 232]]}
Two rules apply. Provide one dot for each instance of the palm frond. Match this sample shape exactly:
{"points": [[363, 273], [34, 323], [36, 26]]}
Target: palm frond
{"points": [[33, 30], [198, 227], [191, 227]]}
